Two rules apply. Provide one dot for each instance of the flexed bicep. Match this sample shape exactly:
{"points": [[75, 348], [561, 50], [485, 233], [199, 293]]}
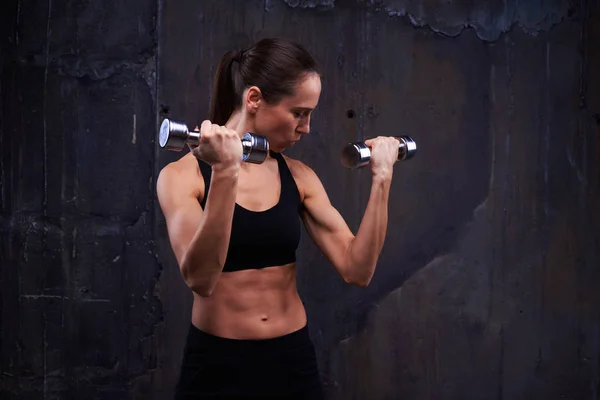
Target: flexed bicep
{"points": [[324, 223], [182, 211]]}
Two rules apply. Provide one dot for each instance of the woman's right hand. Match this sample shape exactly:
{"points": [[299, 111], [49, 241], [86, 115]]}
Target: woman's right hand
{"points": [[219, 146]]}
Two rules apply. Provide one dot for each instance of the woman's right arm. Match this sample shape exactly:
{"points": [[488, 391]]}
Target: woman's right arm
{"points": [[199, 239]]}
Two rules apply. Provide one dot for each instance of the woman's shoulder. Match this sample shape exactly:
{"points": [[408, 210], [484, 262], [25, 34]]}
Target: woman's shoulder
{"points": [[298, 168], [184, 173], [304, 175]]}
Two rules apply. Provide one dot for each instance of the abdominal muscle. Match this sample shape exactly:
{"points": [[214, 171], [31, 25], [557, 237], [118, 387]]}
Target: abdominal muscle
{"points": [[251, 304]]}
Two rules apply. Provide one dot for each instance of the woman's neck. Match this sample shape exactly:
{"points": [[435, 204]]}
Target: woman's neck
{"points": [[238, 123]]}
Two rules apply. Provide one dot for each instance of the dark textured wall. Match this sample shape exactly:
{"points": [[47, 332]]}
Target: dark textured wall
{"points": [[79, 270], [488, 284]]}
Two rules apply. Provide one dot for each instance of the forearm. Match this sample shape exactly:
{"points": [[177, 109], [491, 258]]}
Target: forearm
{"points": [[205, 257], [365, 248]]}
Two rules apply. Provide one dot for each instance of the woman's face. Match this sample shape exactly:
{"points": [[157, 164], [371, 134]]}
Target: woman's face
{"points": [[286, 122]]}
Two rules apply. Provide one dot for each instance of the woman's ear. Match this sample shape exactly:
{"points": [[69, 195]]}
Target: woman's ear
{"points": [[253, 99]]}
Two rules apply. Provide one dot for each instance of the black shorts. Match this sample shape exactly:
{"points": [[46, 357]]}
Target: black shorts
{"points": [[220, 368]]}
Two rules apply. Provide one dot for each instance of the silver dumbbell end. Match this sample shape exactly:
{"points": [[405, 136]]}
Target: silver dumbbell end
{"points": [[175, 135], [357, 154], [255, 148], [407, 148]]}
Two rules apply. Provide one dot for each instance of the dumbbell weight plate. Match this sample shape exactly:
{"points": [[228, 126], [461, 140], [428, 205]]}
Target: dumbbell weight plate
{"points": [[407, 148], [255, 148], [355, 155], [174, 135]]}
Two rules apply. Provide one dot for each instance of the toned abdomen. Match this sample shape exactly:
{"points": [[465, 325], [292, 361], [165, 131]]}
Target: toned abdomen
{"points": [[252, 304]]}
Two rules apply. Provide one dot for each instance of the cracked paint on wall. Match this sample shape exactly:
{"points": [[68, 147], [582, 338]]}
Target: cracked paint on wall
{"points": [[488, 18], [310, 3]]}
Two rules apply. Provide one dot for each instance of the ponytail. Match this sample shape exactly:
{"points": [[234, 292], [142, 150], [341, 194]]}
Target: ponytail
{"points": [[273, 65], [224, 96]]}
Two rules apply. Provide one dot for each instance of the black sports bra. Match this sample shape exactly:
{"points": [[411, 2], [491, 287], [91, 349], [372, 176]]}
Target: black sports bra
{"points": [[267, 238]]}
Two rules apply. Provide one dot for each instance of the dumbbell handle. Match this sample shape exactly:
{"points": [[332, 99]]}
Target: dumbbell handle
{"points": [[357, 154], [175, 135]]}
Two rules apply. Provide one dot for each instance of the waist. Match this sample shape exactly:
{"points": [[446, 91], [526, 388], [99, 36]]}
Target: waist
{"points": [[201, 341], [251, 304]]}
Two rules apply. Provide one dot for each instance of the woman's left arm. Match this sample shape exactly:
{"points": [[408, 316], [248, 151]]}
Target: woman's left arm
{"points": [[353, 256]]}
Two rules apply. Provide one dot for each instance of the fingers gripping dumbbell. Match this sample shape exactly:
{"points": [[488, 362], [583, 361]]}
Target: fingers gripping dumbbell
{"points": [[175, 135], [357, 154]]}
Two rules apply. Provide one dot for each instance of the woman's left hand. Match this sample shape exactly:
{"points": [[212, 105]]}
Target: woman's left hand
{"points": [[384, 153]]}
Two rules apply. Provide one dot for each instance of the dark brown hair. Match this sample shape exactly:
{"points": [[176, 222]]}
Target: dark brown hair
{"points": [[273, 65]]}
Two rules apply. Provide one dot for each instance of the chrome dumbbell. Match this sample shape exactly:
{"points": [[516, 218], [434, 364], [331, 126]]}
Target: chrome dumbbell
{"points": [[357, 154], [175, 135]]}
